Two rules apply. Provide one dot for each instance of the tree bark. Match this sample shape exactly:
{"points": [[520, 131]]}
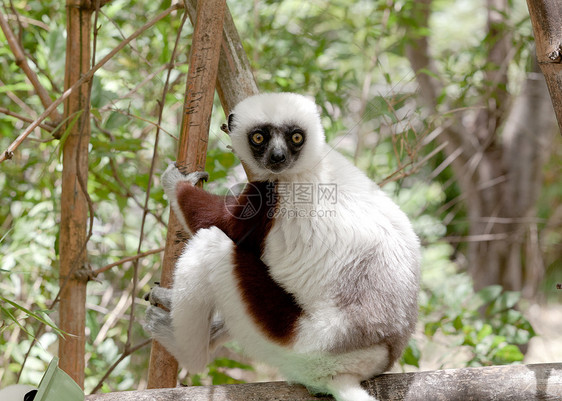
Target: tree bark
{"points": [[494, 383], [546, 17], [192, 151], [74, 204]]}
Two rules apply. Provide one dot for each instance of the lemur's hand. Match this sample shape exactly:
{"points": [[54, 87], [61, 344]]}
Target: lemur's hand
{"points": [[173, 175], [159, 296]]}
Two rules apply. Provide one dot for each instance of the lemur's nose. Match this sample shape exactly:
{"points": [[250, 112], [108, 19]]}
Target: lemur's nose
{"points": [[277, 156]]}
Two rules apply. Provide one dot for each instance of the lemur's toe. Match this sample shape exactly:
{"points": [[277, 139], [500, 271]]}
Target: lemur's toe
{"points": [[160, 296]]}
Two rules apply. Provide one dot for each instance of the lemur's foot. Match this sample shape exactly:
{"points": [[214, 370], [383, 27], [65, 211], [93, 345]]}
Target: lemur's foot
{"points": [[219, 334], [160, 296], [158, 323]]}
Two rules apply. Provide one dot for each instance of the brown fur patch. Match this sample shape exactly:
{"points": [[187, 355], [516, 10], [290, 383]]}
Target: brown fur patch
{"points": [[247, 221]]}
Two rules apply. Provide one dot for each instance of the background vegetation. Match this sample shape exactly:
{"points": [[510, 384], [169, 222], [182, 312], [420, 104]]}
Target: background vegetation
{"points": [[392, 115]]}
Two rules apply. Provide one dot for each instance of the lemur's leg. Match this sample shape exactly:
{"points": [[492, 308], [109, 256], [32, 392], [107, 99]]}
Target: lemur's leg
{"points": [[193, 297]]}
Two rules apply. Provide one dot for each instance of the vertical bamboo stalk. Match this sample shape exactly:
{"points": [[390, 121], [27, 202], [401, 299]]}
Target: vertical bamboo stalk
{"points": [[74, 206], [546, 18], [192, 151]]}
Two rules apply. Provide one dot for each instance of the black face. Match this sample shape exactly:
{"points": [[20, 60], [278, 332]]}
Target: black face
{"points": [[276, 148]]}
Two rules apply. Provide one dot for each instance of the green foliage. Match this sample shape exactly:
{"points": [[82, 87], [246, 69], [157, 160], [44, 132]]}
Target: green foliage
{"points": [[8, 313], [487, 324], [217, 372], [331, 50]]}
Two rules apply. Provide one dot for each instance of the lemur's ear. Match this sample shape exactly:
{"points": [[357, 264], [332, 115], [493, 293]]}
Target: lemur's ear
{"points": [[230, 122]]}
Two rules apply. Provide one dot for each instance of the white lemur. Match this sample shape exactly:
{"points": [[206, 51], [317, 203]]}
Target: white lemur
{"points": [[322, 287]]}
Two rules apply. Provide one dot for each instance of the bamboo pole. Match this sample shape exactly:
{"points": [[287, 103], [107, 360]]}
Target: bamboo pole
{"points": [[235, 80], [74, 204], [192, 151], [546, 18]]}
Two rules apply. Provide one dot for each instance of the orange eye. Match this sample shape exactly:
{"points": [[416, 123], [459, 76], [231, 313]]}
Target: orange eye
{"points": [[297, 138], [257, 138]]}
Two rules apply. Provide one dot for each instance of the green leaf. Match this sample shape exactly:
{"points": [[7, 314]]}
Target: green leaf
{"points": [[488, 294], [457, 323], [507, 300], [223, 378], [412, 354], [508, 354], [484, 332], [431, 328], [43, 319], [116, 121], [230, 363]]}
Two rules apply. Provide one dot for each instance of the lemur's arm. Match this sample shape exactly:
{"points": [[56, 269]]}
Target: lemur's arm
{"points": [[194, 207]]}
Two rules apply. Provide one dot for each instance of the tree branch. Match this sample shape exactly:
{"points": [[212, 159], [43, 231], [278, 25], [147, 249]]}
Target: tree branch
{"points": [[125, 260], [493, 383], [545, 18], [24, 119]]}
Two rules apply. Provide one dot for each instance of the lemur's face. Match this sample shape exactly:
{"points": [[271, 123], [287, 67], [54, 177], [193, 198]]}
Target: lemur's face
{"points": [[276, 147], [276, 134]]}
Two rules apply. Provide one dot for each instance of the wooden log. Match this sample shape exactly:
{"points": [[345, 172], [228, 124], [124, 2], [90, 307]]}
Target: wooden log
{"points": [[495, 383], [192, 152], [546, 18]]}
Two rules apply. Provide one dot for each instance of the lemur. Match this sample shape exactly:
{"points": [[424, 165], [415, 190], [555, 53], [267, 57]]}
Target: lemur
{"points": [[323, 288]]}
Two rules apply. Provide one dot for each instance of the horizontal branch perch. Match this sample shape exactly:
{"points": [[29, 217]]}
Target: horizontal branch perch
{"points": [[512, 382]]}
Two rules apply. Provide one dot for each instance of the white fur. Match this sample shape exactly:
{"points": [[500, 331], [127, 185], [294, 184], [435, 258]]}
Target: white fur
{"points": [[316, 258]]}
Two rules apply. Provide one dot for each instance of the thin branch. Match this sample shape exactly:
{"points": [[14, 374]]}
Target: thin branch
{"points": [[21, 61], [27, 21], [121, 184], [113, 102], [151, 173], [23, 23], [18, 101], [402, 172], [133, 48], [146, 120], [127, 259], [24, 119], [8, 153], [477, 238]]}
